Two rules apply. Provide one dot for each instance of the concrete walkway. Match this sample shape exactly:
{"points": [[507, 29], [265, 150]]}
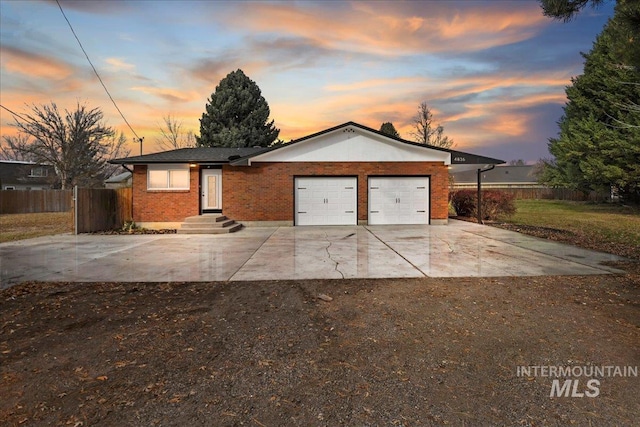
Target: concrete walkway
{"points": [[455, 250]]}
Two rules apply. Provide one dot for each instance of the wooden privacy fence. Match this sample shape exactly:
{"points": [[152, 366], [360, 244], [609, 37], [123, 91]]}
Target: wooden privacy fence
{"points": [[539, 193], [99, 209], [556, 194], [35, 201]]}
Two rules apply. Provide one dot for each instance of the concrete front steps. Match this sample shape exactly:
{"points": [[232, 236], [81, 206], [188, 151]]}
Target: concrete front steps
{"points": [[208, 224]]}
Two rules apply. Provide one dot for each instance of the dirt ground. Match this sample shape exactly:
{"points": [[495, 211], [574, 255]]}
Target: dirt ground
{"points": [[401, 352]]}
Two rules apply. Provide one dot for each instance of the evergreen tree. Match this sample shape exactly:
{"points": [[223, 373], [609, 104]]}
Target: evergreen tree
{"points": [[389, 129], [627, 21], [236, 115], [599, 142], [566, 9]]}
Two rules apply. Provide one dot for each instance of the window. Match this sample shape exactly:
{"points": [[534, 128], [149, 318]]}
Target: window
{"points": [[9, 187], [168, 177], [38, 172]]}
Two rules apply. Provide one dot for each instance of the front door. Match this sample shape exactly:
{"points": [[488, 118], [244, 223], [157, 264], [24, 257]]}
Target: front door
{"points": [[211, 188]]}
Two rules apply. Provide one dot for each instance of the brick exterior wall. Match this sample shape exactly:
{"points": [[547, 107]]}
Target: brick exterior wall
{"points": [[264, 191], [164, 205]]}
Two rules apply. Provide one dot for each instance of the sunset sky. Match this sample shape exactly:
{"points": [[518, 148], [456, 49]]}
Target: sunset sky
{"points": [[494, 72]]}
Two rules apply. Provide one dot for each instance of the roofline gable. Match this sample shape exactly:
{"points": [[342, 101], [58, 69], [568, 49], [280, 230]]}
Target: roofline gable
{"points": [[460, 156], [189, 155]]}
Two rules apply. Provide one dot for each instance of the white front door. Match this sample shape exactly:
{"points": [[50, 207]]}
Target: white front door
{"points": [[398, 200], [326, 201], [211, 188]]}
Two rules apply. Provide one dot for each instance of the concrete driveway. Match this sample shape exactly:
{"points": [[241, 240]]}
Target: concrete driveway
{"points": [[458, 249]]}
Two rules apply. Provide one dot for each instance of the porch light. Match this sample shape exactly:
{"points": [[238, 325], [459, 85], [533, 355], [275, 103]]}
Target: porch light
{"points": [[192, 165]]}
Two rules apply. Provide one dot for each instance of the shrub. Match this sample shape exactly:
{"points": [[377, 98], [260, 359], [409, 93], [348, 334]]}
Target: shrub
{"points": [[464, 202], [495, 203]]}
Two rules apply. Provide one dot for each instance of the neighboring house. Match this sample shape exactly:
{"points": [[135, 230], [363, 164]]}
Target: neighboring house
{"points": [[346, 175], [502, 176], [122, 180], [20, 175]]}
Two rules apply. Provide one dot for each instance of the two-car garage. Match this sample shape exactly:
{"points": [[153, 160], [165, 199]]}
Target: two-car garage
{"points": [[334, 200]]}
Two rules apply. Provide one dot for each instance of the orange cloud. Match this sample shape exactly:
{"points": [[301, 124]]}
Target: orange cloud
{"points": [[507, 124], [377, 83], [364, 101], [172, 95], [455, 88], [211, 71], [491, 116], [368, 27], [117, 64], [33, 65]]}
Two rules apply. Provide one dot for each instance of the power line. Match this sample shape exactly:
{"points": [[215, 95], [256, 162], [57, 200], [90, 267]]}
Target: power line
{"points": [[12, 112], [96, 73]]}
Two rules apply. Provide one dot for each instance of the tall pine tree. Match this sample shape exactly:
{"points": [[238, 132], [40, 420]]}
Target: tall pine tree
{"points": [[236, 115], [599, 142], [627, 21]]}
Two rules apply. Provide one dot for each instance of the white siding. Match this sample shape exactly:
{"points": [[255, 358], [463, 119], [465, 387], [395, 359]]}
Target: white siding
{"points": [[353, 145]]}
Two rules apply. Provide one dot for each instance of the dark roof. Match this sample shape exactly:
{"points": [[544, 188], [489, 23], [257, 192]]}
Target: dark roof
{"points": [[190, 155], [501, 174], [463, 158]]}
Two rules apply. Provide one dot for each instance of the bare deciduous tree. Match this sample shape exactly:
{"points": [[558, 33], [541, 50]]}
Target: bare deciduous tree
{"points": [[172, 137], [14, 148], [77, 144], [517, 162], [426, 131], [118, 148]]}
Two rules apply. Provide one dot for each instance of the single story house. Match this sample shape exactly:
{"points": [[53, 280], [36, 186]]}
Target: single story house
{"points": [[21, 175], [346, 175]]}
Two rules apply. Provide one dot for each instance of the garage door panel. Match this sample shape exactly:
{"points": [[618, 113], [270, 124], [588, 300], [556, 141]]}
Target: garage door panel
{"points": [[398, 200], [326, 201]]}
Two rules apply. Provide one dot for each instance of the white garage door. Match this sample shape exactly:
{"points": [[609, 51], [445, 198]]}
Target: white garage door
{"points": [[398, 200], [325, 201]]}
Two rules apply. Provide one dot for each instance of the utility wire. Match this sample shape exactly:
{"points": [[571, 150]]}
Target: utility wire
{"points": [[96, 73], [12, 112]]}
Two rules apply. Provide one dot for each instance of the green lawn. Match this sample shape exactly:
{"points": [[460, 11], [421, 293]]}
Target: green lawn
{"points": [[613, 223]]}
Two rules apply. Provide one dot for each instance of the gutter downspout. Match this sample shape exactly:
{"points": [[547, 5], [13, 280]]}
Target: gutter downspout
{"points": [[479, 205]]}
